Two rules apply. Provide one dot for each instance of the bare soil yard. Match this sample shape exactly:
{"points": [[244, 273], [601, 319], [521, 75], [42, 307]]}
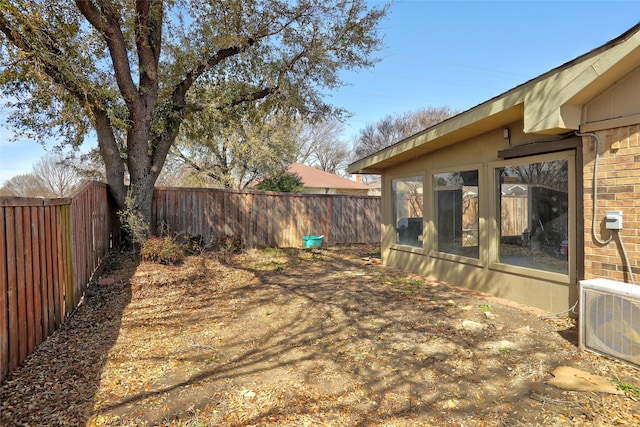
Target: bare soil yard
{"points": [[322, 337]]}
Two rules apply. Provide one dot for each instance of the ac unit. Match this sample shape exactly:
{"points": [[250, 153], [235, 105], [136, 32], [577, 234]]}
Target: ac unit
{"points": [[610, 319]]}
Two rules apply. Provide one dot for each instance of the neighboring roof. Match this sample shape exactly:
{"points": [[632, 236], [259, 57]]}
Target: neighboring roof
{"points": [[315, 178], [549, 104]]}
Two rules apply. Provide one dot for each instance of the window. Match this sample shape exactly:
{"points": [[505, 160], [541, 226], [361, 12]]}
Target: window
{"points": [[455, 201], [533, 208], [407, 196]]}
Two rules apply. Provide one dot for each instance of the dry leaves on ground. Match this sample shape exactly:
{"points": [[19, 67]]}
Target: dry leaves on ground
{"points": [[303, 337]]}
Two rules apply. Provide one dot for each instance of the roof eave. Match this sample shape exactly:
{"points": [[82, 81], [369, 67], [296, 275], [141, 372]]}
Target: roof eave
{"points": [[471, 123], [538, 102]]}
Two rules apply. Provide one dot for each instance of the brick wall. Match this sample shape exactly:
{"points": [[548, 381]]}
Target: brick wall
{"points": [[618, 185]]}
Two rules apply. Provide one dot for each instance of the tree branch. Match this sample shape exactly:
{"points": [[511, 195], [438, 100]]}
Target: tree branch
{"points": [[107, 23], [181, 89], [194, 165], [148, 31]]}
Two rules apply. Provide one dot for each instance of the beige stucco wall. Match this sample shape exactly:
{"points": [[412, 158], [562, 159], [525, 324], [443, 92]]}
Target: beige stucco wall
{"points": [[549, 291]]}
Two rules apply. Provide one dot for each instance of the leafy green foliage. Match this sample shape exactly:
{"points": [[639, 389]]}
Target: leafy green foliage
{"points": [[162, 250], [284, 182], [135, 228], [252, 144], [629, 389], [134, 72]]}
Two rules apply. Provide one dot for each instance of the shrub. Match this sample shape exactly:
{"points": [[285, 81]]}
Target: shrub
{"points": [[135, 228], [193, 244], [163, 250], [229, 244], [286, 182]]}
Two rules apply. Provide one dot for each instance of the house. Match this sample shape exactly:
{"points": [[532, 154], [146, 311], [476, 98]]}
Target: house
{"points": [[512, 196], [317, 181], [375, 186]]}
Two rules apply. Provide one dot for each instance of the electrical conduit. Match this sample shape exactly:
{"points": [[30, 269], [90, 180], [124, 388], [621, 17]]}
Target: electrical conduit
{"points": [[595, 207]]}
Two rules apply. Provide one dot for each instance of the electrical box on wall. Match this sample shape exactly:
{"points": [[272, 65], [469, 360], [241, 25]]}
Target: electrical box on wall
{"points": [[613, 220]]}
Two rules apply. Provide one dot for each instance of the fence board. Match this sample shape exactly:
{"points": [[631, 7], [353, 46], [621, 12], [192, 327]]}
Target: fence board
{"points": [[44, 304], [71, 298], [515, 215], [48, 251], [21, 288], [51, 300], [29, 284], [37, 282], [267, 219], [60, 302], [4, 303], [12, 290]]}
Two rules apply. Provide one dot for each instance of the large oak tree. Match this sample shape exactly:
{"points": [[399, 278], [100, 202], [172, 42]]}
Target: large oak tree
{"points": [[133, 71]]}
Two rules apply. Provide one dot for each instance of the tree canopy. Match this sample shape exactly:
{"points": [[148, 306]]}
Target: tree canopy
{"points": [[238, 151], [283, 182], [132, 72]]}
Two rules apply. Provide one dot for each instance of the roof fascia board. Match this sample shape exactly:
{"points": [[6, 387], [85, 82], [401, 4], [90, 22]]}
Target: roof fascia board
{"points": [[549, 110], [465, 120], [544, 99]]}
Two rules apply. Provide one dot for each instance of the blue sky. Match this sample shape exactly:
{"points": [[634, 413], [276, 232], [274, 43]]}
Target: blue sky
{"points": [[454, 53]]}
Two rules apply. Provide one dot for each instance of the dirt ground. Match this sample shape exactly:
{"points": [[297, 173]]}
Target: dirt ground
{"points": [[322, 337]]}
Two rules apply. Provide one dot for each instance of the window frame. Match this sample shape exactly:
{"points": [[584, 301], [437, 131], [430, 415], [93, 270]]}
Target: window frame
{"points": [[494, 228], [480, 261], [395, 244]]}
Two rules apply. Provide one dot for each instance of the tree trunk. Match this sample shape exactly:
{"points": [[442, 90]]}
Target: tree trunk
{"points": [[141, 192], [142, 179], [142, 175], [114, 167]]}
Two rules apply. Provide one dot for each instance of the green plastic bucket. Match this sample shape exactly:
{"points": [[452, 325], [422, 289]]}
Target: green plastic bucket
{"points": [[311, 241]]}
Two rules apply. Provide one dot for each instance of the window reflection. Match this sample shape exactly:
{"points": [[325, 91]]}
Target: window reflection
{"points": [[456, 212], [407, 210], [533, 208]]}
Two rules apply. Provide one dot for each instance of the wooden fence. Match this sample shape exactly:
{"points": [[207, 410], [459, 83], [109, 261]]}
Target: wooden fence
{"points": [[266, 219], [49, 248], [515, 215]]}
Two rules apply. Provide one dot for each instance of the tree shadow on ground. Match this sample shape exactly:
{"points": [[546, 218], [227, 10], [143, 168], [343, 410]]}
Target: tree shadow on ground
{"points": [[56, 384], [293, 337], [314, 335]]}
